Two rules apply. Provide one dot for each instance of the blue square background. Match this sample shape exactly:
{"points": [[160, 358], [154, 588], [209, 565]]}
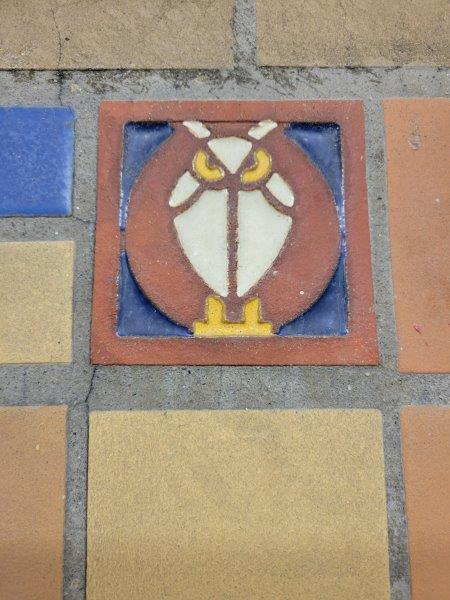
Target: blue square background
{"points": [[137, 316], [36, 161]]}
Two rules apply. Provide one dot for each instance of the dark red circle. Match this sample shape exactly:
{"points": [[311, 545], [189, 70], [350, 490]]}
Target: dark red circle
{"points": [[301, 271]]}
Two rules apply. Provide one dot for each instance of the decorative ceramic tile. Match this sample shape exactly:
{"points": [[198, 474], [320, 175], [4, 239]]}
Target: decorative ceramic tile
{"points": [[36, 302], [237, 504], [426, 463], [32, 492], [339, 33], [228, 234], [418, 150], [106, 34], [36, 161]]}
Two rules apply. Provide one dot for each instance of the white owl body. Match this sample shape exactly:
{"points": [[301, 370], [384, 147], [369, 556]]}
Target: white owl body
{"points": [[204, 228]]}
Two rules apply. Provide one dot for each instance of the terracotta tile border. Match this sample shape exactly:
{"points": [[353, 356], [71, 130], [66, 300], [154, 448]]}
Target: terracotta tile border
{"points": [[358, 347]]}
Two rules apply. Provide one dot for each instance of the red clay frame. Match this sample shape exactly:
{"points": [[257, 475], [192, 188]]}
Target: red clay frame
{"points": [[358, 347]]}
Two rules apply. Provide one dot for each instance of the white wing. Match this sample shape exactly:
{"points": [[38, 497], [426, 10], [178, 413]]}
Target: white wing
{"points": [[202, 231], [262, 231]]}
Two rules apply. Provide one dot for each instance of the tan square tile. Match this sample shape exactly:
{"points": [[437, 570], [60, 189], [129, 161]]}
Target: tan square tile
{"points": [[32, 492], [36, 302], [417, 151], [353, 33], [106, 34], [426, 464], [237, 504]]}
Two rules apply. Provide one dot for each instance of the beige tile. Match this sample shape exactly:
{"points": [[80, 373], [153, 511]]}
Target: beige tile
{"points": [[111, 34], [32, 492], [36, 302], [426, 464], [237, 505], [418, 161], [353, 33]]}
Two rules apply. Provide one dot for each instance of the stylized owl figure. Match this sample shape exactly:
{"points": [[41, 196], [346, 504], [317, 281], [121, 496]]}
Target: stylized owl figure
{"points": [[247, 234]]}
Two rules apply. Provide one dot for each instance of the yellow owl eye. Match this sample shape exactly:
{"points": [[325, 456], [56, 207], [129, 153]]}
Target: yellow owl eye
{"points": [[203, 169], [261, 168]]}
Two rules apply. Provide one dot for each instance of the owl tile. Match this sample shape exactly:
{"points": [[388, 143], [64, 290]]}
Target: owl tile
{"points": [[232, 233]]}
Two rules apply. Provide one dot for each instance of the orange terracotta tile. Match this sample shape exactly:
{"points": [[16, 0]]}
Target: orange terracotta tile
{"points": [[32, 475], [418, 151], [426, 463]]}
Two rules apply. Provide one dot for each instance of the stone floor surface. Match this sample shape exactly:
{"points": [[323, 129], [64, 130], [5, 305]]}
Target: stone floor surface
{"points": [[85, 388]]}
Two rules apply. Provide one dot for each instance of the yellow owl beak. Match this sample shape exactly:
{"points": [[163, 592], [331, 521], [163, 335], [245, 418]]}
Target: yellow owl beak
{"points": [[203, 169], [261, 168]]}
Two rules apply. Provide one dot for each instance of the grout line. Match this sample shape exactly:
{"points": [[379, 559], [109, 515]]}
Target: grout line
{"points": [[399, 574], [244, 26], [75, 515]]}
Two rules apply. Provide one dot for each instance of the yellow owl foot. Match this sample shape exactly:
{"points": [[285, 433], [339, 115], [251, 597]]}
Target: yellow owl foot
{"points": [[216, 324]]}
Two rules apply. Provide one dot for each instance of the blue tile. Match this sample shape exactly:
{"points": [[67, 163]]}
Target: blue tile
{"points": [[36, 161]]}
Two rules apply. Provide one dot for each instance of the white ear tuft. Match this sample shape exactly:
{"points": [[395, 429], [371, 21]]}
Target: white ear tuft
{"points": [[197, 129], [262, 129]]}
